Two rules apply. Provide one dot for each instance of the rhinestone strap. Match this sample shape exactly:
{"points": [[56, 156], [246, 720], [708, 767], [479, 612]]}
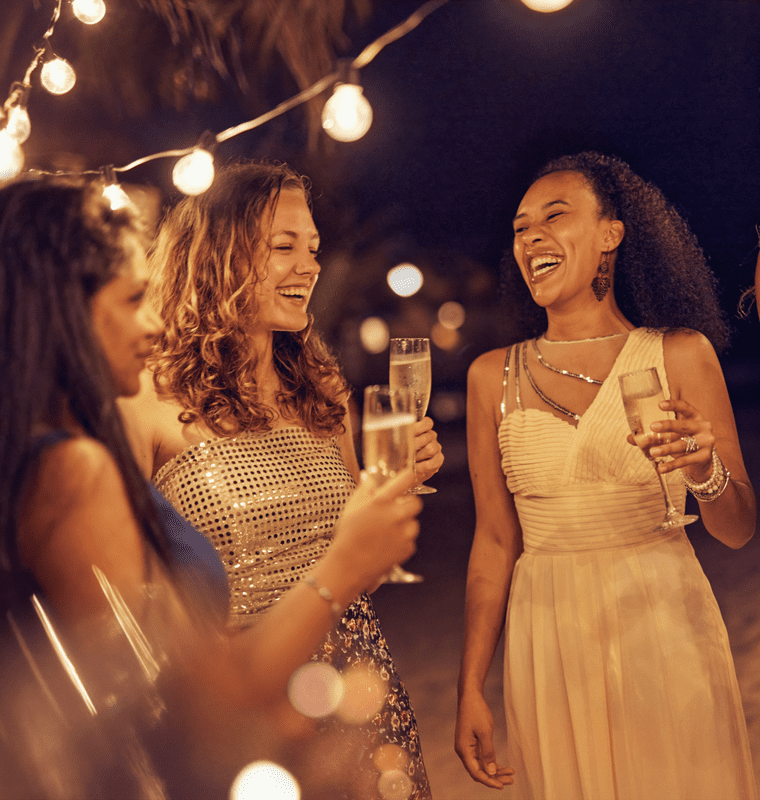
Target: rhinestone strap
{"points": [[714, 486], [547, 400], [559, 371]]}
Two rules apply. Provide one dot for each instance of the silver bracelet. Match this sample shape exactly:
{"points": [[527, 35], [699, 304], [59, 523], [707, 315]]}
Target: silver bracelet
{"points": [[335, 607], [714, 486]]}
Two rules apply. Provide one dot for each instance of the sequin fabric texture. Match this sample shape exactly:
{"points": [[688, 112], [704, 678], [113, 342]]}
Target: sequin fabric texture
{"points": [[269, 503]]}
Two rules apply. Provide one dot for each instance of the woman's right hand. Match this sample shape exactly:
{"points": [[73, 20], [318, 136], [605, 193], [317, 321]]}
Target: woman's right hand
{"points": [[474, 742], [378, 528]]}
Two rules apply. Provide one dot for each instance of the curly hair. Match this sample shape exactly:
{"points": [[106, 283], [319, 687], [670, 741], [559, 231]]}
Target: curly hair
{"points": [[662, 280], [60, 243], [202, 286]]}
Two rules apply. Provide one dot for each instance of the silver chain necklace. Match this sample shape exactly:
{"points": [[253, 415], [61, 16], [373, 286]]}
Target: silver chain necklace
{"points": [[547, 400], [559, 371]]}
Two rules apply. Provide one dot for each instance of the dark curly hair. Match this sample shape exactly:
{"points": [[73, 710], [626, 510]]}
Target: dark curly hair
{"points": [[202, 285], [662, 280]]}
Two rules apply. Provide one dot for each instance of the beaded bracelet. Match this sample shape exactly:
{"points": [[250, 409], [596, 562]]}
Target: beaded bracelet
{"points": [[335, 607], [714, 486]]}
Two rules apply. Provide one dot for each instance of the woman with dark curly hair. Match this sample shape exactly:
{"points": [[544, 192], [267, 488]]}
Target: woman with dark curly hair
{"points": [[618, 677], [243, 423]]}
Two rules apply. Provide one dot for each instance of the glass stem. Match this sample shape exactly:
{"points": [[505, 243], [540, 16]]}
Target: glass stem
{"points": [[670, 509]]}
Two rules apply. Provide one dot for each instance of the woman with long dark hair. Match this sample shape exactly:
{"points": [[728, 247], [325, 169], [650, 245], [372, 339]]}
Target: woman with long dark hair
{"points": [[618, 677], [83, 549]]}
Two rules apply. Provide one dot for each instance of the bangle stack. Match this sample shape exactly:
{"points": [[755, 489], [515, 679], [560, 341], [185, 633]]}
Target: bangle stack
{"points": [[714, 486], [335, 608]]}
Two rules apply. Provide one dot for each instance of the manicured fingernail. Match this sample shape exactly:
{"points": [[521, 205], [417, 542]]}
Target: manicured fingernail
{"points": [[491, 769], [656, 426]]}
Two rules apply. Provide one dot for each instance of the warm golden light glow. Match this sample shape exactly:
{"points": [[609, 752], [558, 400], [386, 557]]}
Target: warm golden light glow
{"points": [[374, 334], [194, 173], [405, 280], [347, 115], [264, 780]]}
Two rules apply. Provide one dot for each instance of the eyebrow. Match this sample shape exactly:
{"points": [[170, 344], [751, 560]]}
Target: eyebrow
{"points": [[545, 206], [295, 234]]}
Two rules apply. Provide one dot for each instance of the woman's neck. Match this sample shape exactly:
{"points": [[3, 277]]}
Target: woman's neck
{"points": [[588, 323]]}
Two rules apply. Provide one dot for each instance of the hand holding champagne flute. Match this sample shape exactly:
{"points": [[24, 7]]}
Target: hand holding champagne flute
{"points": [[387, 436], [410, 368], [642, 395]]}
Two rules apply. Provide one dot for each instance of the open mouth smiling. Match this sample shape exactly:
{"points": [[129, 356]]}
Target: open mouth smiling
{"points": [[544, 264], [294, 292]]}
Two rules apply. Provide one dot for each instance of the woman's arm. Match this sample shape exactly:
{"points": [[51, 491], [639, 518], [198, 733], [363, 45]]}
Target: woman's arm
{"points": [[77, 515], [495, 549], [703, 408]]}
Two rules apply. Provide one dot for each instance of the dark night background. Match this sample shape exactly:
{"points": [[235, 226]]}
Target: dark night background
{"points": [[466, 107]]}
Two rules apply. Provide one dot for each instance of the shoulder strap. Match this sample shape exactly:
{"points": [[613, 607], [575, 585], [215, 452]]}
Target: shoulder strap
{"points": [[504, 382]]}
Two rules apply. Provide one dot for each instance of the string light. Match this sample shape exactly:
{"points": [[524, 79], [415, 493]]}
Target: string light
{"points": [[547, 6], [58, 76], [89, 11], [347, 115], [194, 172], [18, 126], [11, 157], [116, 196]]}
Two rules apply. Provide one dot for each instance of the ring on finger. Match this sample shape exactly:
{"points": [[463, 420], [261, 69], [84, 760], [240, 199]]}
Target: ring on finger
{"points": [[691, 444]]}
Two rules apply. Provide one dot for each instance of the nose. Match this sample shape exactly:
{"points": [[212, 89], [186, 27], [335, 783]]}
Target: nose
{"points": [[308, 264], [532, 233]]}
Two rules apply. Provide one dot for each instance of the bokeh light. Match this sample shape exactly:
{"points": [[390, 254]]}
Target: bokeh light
{"points": [[374, 334], [315, 689], [452, 315], [116, 196], [19, 126], [363, 695], [194, 172], [444, 337], [405, 280], [347, 115], [264, 780], [448, 406], [547, 6], [395, 785]]}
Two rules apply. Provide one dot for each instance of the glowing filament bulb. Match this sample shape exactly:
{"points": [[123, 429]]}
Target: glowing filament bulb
{"points": [[89, 11], [347, 115], [194, 173], [116, 196], [547, 6], [18, 126], [58, 76], [11, 157]]}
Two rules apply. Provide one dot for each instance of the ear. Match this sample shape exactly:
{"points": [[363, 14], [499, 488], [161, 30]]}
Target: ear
{"points": [[615, 231]]}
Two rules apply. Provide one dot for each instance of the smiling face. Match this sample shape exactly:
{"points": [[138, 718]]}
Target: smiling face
{"points": [[291, 269], [124, 325], [560, 238]]}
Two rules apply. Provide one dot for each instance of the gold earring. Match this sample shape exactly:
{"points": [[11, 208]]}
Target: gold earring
{"points": [[601, 283]]}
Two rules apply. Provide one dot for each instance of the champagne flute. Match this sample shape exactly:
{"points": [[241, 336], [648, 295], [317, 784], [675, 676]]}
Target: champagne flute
{"points": [[410, 367], [387, 445], [642, 394]]}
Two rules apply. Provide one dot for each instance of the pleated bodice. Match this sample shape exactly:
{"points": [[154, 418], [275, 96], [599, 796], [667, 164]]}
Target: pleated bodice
{"points": [[586, 486]]}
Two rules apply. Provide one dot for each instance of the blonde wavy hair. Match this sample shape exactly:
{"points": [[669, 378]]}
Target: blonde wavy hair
{"points": [[204, 264]]}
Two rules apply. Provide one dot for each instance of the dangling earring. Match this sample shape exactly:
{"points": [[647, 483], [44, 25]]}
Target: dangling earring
{"points": [[601, 283]]}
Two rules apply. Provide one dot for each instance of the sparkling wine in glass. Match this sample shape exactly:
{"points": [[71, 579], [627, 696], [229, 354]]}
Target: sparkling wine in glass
{"points": [[642, 394], [410, 368], [387, 445]]}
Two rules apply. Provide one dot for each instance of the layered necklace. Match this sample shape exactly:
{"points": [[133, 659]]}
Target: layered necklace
{"points": [[568, 373]]}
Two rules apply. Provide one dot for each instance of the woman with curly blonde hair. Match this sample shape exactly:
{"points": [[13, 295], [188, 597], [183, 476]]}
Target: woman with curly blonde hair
{"points": [[242, 423]]}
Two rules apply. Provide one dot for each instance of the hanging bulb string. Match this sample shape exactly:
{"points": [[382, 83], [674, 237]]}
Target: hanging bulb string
{"points": [[364, 58]]}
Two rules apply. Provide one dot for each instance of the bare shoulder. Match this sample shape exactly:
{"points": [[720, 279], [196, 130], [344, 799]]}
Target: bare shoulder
{"points": [[689, 356], [488, 369]]}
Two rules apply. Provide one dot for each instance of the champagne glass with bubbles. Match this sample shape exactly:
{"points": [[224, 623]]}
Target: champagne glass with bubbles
{"points": [[388, 444], [410, 368], [642, 395]]}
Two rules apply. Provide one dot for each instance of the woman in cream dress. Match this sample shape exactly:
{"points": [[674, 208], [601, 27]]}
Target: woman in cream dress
{"points": [[242, 423], [618, 677]]}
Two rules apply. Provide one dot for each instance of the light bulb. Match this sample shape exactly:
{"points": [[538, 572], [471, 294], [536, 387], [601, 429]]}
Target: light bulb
{"points": [[11, 157], [264, 779], [58, 76], [194, 173], [116, 196], [89, 11], [18, 126], [347, 115], [547, 6], [405, 280]]}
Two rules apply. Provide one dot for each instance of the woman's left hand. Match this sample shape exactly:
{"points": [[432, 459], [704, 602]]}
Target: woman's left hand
{"points": [[428, 455], [689, 424]]}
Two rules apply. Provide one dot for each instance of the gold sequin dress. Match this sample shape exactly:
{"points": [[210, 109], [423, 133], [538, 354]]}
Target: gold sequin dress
{"points": [[269, 503]]}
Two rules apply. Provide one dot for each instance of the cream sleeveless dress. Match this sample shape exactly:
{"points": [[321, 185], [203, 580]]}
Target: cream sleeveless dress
{"points": [[618, 677], [268, 503]]}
